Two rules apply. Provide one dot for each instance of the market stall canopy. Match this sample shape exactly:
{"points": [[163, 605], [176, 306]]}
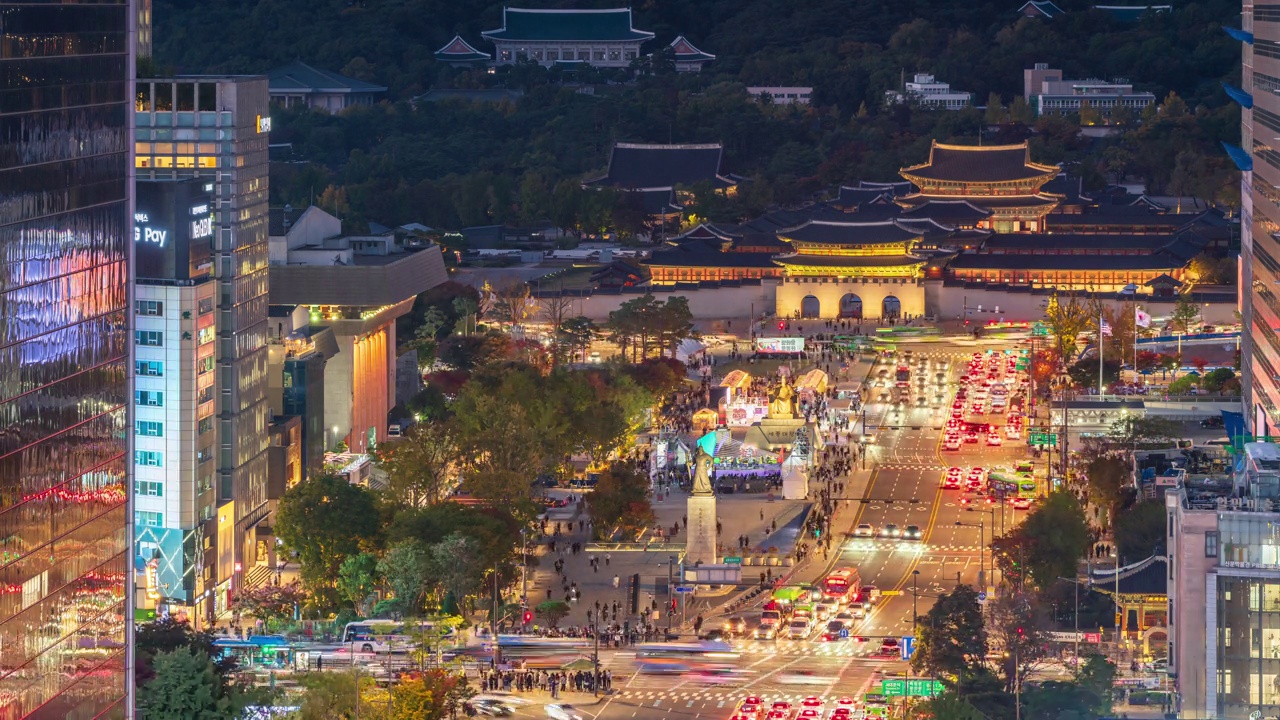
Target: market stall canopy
{"points": [[736, 379], [706, 417], [687, 348], [814, 381]]}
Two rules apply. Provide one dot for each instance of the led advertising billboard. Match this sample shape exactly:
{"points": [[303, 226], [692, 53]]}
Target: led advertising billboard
{"points": [[173, 229], [780, 345]]}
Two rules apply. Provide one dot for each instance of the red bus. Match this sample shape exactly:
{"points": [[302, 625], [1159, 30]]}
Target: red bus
{"points": [[903, 376], [842, 585]]}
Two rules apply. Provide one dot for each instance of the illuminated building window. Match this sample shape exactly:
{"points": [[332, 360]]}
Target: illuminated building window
{"points": [[148, 428], [148, 398], [149, 368], [205, 425], [204, 365], [148, 488], [205, 335], [143, 518], [148, 338], [152, 308], [148, 458]]}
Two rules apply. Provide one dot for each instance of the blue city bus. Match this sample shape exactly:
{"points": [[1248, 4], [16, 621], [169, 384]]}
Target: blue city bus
{"points": [[268, 652]]}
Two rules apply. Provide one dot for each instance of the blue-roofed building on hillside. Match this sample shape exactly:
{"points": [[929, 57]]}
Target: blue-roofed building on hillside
{"points": [[459, 53], [687, 57], [1040, 9], [1131, 13], [300, 84], [600, 38]]}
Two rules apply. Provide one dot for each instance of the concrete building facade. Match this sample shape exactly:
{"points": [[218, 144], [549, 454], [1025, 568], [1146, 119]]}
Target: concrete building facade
{"points": [[215, 129]]}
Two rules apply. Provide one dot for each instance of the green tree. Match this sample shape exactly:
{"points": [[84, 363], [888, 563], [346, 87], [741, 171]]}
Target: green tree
{"points": [[951, 636], [270, 603], [1098, 675], [1140, 530], [1107, 476], [431, 695], [358, 580], [328, 695], [1067, 316], [419, 466], [996, 112], [325, 520], [620, 501], [166, 635], [1186, 314], [458, 565], [1017, 626], [552, 611], [407, 568], [1089, 115], [575, 334], [187, 686], [949, 706], [1047, 545]]}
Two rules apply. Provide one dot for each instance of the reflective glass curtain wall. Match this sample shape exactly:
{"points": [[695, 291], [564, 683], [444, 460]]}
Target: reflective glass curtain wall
{"points": [[64, 286]]}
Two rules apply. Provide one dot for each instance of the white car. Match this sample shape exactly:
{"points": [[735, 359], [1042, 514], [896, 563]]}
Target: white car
{"points": [[864, 530], [799, 629]]}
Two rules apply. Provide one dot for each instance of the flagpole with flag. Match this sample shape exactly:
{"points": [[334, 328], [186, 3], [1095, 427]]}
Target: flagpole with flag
{"points": [[1143, 320], [1104, 328]]}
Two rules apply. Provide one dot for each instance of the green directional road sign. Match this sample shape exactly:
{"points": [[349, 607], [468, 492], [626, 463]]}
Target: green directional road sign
{"points": [[915, 687], [924, 687], [733, 560], [1042, 438], [1039, 329], [893, 688]]}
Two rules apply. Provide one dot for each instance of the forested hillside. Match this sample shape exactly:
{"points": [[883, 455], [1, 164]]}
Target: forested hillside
{"points": [[452, 164]]}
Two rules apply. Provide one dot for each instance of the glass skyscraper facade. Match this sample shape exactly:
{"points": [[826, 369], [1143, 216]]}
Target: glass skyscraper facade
{"points": [[65, 235]]}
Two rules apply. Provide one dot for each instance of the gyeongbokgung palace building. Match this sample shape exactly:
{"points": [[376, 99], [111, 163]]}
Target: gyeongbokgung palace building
{"points": [[980, 217]]}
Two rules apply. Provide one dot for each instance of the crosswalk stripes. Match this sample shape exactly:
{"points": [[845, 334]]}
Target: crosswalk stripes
{"points": [[716, 695]]}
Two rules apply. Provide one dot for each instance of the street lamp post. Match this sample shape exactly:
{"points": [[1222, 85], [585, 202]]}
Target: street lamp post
{"points": [[524, 565], [595, 655]]}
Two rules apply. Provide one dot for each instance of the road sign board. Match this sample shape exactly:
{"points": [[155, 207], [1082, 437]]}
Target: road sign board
{"points": [[982, 596], [733, 560], [1042, 438], [844, 632], [908, 646], [684, 588], [914, 687], [887, 593]]}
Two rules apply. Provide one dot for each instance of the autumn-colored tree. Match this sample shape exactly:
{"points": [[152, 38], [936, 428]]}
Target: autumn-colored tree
{"points": [[269, 602]]}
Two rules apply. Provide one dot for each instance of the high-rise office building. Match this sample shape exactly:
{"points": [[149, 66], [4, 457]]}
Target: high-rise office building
{"points": [[215, 129], [1259, 162], [175, 428], [65, 237]]}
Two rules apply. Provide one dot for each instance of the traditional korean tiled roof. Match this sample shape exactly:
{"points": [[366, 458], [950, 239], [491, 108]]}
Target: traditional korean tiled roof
{"points": [[459, 50], [1017, 261], [978, 164], [1069, 243], [1044, 8], [989, 203], [608, 25], [300, 76], [686, 52], [658, 201], [1164, 279], [636, 166], [702, 256], [951, 212], [856, 197], [1145, 577], [850, 233], [1121, 216], [801, 259]]}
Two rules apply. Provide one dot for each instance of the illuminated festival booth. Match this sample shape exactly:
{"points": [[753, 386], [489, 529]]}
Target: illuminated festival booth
{"points": [[740, 467]]}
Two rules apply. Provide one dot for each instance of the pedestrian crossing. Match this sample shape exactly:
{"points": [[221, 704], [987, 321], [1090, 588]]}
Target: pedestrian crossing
{"points": [[726, 696]]}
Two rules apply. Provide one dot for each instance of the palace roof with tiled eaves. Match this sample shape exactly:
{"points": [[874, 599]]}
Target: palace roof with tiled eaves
{"points": [[978, 164], [552, 25], [636, 166], [684, 51], [1018, 261], [848, 261], [825, 232], [947, 211], [459, 50]]}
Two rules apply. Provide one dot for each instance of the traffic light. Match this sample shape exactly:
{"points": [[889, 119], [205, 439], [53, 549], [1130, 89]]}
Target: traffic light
{"points": [[528, 617], [1019, 632], [782, 326]]}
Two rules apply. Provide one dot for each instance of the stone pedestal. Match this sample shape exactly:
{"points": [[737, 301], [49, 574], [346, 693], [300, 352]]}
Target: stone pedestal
{"points": [[795, 482], [700, 537]]}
